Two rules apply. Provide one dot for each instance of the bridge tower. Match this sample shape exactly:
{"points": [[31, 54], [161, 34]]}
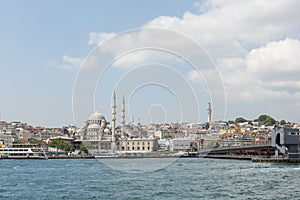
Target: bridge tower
{"points": [[286, 141]]}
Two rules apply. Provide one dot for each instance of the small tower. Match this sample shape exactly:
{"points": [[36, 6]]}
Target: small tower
{"points": [[209, 113], [113, 125], [123, 117]]}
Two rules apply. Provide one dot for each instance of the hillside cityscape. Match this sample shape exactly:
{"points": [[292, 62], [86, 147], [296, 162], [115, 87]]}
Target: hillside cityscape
{"points": [[99, 136]]}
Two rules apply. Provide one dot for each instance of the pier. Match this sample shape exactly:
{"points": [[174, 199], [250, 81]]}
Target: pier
{"points": [[277, 160]]}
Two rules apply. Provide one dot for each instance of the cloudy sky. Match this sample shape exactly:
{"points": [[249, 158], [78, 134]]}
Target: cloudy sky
{"points": [[60, 61]]}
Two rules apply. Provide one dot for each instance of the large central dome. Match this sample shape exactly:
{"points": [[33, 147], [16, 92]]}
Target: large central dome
{"points": [[97, 116]]}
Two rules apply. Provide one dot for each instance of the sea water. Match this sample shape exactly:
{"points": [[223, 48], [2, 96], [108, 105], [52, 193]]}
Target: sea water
{"points": [[185, 178]]}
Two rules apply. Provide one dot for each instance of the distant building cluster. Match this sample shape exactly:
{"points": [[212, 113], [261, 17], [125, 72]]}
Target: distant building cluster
{"points": [[100, 136]]}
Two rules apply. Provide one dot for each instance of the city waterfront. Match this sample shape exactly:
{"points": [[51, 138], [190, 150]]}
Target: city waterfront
{"points": [[185, 178]]}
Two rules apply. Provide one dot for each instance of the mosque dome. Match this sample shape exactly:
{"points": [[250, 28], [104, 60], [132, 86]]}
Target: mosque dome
{"points": [[106, 130], [79, 130], [97, 116], [94, 126]]}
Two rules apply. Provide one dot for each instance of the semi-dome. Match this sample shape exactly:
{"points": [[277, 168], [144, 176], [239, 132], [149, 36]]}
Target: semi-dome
{"points": [[94, 126], [96, 116], [79, 130]]}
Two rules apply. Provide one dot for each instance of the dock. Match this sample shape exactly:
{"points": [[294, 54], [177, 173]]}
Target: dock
{"points": [[70, 157], [277, 160]]}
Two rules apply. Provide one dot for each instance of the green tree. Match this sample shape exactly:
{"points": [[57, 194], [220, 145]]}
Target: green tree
{"points": [[231, 122], [267, 120], [282, 122], [270, 121], [240, 120], [83, 148], [262, 118], [60, 144]]}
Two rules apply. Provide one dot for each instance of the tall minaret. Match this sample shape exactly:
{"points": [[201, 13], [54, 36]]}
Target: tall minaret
{"points": [[209, 113], [123, 117], [113, 124]]}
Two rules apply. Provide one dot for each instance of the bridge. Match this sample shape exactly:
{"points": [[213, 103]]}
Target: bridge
{"points": [[247, 151]]}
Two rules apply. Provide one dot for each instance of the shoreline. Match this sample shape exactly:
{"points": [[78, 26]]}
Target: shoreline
{"points": [[249, 158]]}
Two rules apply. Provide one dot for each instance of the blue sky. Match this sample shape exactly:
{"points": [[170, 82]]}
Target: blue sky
{"points": [[40, 38], [34, 32]]}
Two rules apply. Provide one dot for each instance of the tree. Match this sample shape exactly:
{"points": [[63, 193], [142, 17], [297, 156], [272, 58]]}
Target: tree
{"points": [[270, 121], [282, 122], [83, 148], [267, 120], [262, 118], [240, 120], [59, 143]]}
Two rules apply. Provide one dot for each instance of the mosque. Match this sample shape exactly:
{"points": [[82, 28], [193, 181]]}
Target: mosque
{"points": [[102, 138], [98, 134]]}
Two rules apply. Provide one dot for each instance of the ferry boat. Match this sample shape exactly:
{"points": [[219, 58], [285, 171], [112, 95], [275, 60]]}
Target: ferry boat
{"points": [[22, 152]]}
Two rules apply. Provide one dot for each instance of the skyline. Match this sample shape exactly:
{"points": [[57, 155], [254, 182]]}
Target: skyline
{"points": [[254, 52]]}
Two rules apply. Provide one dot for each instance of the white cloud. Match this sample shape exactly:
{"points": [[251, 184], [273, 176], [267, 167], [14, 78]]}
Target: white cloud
{"points": [[245, 39], [275, 57], [97, 38], [71, 63], [226, 28], [270, 72]]}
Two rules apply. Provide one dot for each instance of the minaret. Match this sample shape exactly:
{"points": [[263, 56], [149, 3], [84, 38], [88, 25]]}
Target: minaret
{"points": [[123, 117], [113, 125], [209, 113]]}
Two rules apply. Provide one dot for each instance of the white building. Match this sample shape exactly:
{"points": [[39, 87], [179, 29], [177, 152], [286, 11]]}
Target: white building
{"points": [[135, 145], [180, 144]]}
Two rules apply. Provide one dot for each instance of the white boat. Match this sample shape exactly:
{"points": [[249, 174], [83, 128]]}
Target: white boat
{"points": [[23, 153]]}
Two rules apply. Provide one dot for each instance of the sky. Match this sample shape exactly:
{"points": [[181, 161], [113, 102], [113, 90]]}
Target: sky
{"points": [[167, 58]]}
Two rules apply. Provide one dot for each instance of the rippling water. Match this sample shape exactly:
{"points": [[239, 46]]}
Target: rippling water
{"points": [[186, 178]]}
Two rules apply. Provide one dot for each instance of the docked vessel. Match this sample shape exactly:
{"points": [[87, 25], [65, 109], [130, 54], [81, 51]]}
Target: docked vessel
{"points": [[22, 152]]}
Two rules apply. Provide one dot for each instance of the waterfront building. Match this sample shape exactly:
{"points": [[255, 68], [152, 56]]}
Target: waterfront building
{"points": [[163, 145], [181, 144], [134, 145]]}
